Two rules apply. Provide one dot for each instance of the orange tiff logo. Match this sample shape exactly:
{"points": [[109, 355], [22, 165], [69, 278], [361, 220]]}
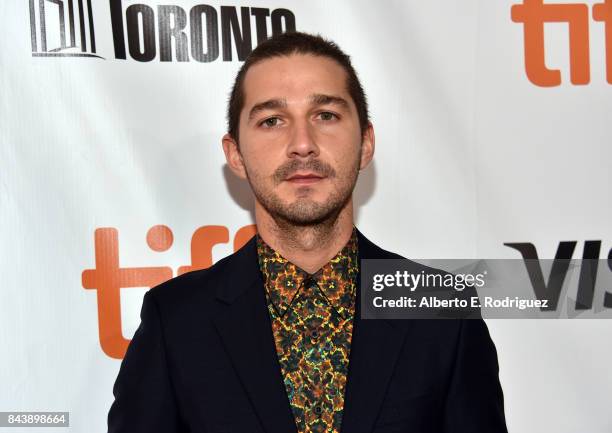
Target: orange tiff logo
{"points": [[534, 13], [109, 277]]}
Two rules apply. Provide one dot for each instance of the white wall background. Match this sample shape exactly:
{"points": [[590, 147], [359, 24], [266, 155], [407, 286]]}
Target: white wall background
{"points": [[470, 155]]}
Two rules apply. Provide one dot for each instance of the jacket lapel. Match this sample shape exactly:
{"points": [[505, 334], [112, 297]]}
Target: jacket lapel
{"points": [[375, 347], [246, 330]]}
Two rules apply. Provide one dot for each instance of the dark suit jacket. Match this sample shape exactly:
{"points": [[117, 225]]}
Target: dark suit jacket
{"points": [[204, 361]]}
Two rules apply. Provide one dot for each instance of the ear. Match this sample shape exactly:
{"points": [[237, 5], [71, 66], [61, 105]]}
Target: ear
{"points": [[367, 146], [233, 156]]}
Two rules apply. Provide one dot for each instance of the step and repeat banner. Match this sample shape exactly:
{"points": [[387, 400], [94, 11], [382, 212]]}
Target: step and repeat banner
{"points": [[493, 124]]}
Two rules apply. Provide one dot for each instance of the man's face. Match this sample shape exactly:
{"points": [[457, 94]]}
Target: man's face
{"points": [[300, 141]]}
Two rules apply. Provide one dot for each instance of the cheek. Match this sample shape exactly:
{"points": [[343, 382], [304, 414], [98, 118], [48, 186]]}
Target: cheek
{"points": [[343, 154], [259, 164], [266, 140], [345, 137]]}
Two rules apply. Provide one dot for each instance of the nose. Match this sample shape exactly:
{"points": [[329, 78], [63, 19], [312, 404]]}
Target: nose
{"points": [[302, 142]]}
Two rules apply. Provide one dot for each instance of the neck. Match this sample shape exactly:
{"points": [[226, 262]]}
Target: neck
{"points": [[309, 247]]}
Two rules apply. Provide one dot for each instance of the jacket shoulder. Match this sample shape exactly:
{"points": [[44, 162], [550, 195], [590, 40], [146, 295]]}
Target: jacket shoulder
{"points": [[369, 250], [199, 285]]}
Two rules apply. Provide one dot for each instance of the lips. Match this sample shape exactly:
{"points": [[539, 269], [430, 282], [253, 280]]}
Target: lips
{"points": [[304, 178]]}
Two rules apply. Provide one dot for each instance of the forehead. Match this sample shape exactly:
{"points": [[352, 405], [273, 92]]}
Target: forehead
{"points": [[294, 78]]}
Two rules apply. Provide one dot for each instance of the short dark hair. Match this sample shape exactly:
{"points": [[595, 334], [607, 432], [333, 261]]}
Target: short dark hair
{"points": [[286, 44]]}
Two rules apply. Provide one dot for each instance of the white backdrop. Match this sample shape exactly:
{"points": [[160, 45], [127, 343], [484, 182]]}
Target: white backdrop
{"points": [[470, 155]]}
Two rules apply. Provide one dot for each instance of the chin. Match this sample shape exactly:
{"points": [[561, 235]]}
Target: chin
{"points": [[309, 213]]}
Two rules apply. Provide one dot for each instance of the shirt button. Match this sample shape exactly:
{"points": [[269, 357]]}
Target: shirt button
{"points": [[314, 334], [318, 410]]}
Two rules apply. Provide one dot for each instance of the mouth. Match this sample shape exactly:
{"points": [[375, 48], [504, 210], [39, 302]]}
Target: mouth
{"points": [[304, 178]]}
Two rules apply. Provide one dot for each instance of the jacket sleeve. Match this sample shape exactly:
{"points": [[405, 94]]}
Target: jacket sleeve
{"points": [[475, 401], [144, 398]]}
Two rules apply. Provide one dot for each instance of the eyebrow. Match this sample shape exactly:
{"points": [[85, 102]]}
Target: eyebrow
{"points": [[321, 99], [270, 104], [315, 99]]}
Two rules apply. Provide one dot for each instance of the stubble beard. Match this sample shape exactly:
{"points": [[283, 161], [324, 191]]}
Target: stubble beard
{"points": [[303, 211]]}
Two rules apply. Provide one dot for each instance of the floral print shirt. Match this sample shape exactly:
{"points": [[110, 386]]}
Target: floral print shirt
{"points": [[312, 324]]}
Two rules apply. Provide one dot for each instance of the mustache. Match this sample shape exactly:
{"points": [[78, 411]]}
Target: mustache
{"points": [[315, 166]]}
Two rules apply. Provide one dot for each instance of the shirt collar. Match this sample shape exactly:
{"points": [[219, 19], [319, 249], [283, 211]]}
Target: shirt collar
{"points": [[336, 279]]}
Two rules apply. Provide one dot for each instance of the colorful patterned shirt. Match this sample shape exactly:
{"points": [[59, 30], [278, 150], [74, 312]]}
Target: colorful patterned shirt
{"points": [[312, 323]]}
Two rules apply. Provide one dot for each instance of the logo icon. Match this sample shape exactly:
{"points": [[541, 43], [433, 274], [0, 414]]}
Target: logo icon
{"points": [[65, 28], [533, 14], [54, 25]]}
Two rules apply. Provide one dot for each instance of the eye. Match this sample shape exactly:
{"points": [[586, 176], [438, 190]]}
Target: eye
{"points": [[327, 116], [270, 122]]}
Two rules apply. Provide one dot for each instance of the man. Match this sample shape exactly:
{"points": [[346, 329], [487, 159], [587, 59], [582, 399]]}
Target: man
{"points": [[270, 339]]}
